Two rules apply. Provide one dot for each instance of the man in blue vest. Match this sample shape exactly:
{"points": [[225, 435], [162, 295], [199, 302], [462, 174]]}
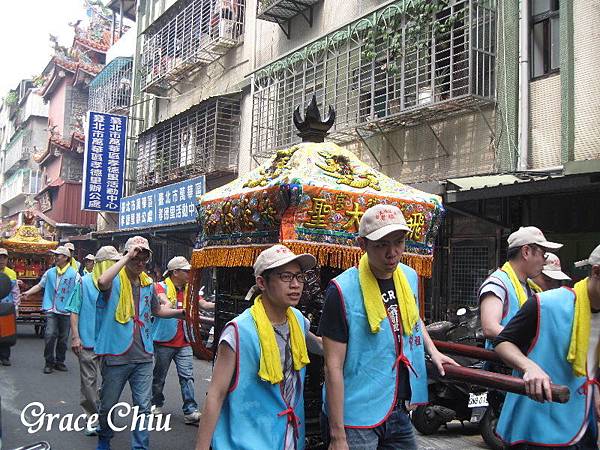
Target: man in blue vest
{"points": [[255, 398], [60, 283], [12, 297], [374, 342], [171, 342], [83, 332], [505, 290], [124, 338], [554, 338]]}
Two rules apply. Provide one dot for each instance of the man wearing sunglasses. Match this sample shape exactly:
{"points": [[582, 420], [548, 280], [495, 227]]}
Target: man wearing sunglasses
{"points": [[504, 292], [171, 342], [124, 337], [255, 399]]}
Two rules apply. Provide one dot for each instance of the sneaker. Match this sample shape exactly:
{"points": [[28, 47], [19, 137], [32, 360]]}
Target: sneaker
{"points": [[192, 418], [103, 444], [61, 367], [156, 410], [5, 362], [48, 369]]}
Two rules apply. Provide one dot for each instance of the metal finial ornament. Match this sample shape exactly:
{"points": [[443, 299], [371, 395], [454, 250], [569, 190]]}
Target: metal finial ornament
{"points": [[313, 128]]}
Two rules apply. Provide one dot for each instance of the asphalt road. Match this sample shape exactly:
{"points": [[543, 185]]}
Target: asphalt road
{"points": [[24, 383]]}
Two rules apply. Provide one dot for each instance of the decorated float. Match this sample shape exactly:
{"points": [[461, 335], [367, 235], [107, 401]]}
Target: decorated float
{"points": [[29, 257], [309, 197]]}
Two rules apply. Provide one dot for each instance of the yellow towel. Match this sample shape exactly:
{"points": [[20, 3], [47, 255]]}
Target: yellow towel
{"points": [[126, 309], [62, 271], [534, 286], [270, 364], [99, 269], [10, 273], [172, 292], [407, 305], [73, 264], [512, 276], [580, 335]]}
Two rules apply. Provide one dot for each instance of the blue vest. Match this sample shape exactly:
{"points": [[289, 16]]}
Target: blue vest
{"points": [[87, 314], [114, 338], [525, 420], [370, 368], [13, 281], [500, 278], [163, 330], [250, 417], [60, 296]]}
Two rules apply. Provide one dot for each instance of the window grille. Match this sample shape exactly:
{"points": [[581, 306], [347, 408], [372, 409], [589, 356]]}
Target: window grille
{"points": [[202, 140], [110, 90], [383, 71], [469, 267], [190, 34]]}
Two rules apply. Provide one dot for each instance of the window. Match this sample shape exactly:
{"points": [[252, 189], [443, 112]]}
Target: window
{"points": [[545, 40]]}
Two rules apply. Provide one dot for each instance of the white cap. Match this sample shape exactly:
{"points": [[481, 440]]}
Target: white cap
{"points": [[137, 241], [3, 251], [279, 255], [381, 220], [552, 268], [62, 250], [593, 259], [107, 253], [70, 246], [530, 235], [177, 263]]}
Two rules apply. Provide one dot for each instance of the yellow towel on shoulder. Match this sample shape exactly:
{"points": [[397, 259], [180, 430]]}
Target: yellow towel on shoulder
{"points": [[270, 363], [580, 334], [172, 292], [407, 305], [99, 269], [512, 276], [126, 308], [10, 273]]}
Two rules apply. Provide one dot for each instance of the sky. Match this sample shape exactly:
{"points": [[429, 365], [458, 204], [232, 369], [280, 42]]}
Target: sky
{"points": [[25, 26]]}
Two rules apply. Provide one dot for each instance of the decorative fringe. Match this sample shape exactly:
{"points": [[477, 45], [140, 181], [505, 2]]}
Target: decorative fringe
{"points": [[326, 255]]}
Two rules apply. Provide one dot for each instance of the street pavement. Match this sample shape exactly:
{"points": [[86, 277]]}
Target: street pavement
{"points": [[24, 382]]}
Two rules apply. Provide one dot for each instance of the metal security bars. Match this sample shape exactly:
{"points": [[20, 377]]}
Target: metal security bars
{"points": [[110, 90], [398, 66], [188, 35], [202, 140]]}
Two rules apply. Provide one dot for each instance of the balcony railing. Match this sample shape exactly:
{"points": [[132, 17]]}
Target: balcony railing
{"points": [[192, 33], [392, 68], [23, 182], [16, 151], [203, 140], [110, 90]]}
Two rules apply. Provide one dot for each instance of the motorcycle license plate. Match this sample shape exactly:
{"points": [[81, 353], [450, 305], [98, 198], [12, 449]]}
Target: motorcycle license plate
{"points": [[477, 400]]}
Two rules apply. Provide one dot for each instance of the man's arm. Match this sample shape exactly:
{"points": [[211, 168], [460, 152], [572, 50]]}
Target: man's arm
{"points": [[491, 310], [217, 391], [161, 307], [205, 305], [75, 339], [33, 290], [335, 356], [437, 358], [106, 279]]}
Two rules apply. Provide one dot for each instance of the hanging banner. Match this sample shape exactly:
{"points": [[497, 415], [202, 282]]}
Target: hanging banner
{"points": [[167, 205], [104, 162]]}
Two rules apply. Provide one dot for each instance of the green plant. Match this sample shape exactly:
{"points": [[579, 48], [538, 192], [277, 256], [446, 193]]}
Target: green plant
{"points": [[11, 98]]}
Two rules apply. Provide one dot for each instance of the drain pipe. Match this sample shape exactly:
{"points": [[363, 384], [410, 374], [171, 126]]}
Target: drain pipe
{"points": [[522, 160]]}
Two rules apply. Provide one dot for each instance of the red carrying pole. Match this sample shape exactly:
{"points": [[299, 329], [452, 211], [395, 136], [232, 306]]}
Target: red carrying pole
{"points": [[492, 380], [469, 351]]}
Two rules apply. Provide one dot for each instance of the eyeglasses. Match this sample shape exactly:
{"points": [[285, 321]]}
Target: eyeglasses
{"points": [[537, 247], [287, 277], [138, 260]]}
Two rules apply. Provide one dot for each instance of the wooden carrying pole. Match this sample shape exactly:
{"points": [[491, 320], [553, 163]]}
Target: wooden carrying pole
{"points": [[469, 351], [492, 380]]}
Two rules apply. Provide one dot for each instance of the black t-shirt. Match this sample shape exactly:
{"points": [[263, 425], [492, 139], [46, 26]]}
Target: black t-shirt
{"points": [[333, 325], [522, 328]]}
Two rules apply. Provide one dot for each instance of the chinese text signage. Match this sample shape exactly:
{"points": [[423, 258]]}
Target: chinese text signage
{"points": [[167, 205], [104, 159]]}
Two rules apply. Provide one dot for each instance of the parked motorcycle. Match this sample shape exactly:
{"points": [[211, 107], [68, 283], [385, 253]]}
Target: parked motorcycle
{"points": [[450, 400]]}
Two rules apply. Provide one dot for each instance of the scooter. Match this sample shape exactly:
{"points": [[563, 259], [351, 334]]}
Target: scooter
{"points": [[450, 400]]}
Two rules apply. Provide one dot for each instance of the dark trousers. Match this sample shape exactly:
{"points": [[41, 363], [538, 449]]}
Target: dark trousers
{"points": [[4, 352], [56, 336]]}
